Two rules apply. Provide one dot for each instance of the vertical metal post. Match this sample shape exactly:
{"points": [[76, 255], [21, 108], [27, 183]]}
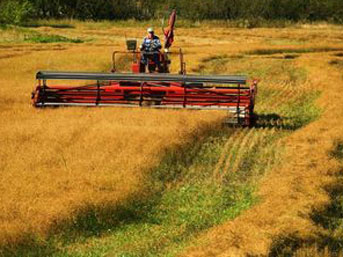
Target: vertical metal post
{"points": [[98, 96], [44, 87], [141, 94], [114, 62], [238, 103], [165, 63], [184, 95], [182, 71], [135, 57]]}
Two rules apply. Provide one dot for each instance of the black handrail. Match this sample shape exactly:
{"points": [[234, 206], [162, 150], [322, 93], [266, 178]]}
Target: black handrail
{"points": [[216, 79]]}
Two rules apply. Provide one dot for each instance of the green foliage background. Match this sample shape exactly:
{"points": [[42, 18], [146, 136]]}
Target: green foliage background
{"points": [[17, 11]]}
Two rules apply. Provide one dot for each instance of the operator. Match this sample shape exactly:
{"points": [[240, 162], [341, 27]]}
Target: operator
{"points": [[151, 46]]}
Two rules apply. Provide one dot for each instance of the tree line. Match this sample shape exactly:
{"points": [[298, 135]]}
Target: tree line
{"points": [[16, 11]]}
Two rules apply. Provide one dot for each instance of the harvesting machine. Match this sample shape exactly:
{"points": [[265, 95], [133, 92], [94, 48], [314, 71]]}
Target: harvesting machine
{"points": [[156, 88]]}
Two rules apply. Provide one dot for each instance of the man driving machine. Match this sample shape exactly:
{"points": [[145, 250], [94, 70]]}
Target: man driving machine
{"points": [[150, 48]]}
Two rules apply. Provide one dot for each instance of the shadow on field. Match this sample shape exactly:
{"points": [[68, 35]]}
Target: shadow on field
{"points": [[90, 221], [339, 54], [98, 220], [336, 62], [328, 242], [274, 120], [270, 121]]}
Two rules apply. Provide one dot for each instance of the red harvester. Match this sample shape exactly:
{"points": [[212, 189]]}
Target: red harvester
{"points": [[154, 89]]}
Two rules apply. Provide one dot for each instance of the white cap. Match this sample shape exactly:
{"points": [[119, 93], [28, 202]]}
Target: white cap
{"points": [[150, 30]]}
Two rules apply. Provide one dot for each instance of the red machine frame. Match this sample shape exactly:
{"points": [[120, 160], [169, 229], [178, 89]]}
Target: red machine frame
{"points": [[138, 67], [151, 90]]}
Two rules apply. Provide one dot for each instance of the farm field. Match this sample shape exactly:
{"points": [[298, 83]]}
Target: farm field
{"points": [[144, 182]]}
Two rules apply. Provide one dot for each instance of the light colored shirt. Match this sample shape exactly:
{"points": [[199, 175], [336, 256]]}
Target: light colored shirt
{"points": [[151, 44]]}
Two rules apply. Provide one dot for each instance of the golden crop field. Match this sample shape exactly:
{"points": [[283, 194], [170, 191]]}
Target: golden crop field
{"points": [[145, 182]]}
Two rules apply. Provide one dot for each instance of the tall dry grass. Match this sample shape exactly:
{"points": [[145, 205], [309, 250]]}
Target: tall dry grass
{"points": [[53, 162], [57, 161]]}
